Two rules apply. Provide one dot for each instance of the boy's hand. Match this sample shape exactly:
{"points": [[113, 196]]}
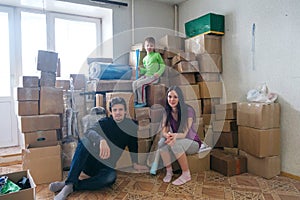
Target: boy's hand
{"points": [[156, 75]]}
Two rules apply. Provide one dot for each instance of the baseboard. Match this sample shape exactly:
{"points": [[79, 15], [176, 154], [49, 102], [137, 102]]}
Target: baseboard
{"points": [[290, 175]]}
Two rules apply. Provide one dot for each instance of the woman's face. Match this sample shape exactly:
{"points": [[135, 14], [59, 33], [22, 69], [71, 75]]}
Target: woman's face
{"points": [[173, 99]]}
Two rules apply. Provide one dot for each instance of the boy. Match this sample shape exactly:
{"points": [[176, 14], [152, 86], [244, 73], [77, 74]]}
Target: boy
{"points": [[153, 68]]}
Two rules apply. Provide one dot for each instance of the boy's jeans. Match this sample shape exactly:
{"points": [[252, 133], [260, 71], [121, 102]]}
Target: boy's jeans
{"points": [[100, 175]]}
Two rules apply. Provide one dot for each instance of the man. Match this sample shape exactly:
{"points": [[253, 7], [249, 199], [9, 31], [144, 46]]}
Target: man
{"points": [[99, 150]]}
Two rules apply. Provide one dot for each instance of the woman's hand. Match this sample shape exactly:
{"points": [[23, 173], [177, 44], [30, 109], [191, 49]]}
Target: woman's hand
{"points": [[104, 150], [170, 138]]}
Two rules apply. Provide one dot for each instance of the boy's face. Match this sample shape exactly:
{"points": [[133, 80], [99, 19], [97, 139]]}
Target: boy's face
{"points": [[149, 47], [118, 112]]}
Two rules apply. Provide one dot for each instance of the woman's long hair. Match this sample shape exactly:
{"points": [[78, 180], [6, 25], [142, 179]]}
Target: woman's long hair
{"points": [[182, 109]]}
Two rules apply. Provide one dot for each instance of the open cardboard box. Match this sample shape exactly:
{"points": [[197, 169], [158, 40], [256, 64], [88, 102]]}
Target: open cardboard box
{"points": [[25, 194]]}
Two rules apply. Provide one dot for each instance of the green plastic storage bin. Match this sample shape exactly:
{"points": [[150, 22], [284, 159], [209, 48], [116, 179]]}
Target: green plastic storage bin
{"points": [[206, 24]]}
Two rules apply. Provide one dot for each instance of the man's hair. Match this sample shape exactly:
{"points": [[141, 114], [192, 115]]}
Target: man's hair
{"points": [[150, 40], [117, 100]]}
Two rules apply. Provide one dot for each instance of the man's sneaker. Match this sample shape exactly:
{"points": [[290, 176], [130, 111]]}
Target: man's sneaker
{"points": [[204, 147]]}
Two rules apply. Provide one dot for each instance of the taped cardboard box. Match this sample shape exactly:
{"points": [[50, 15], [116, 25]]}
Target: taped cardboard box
{"points": [[227, 164], [259, 143], [267, 167], [38, 136], [26, 108], [211, 89], [201, 44], [28, 94], [210, 63], [226, 139], [190, 92], [207, 77], [24, 194], [182, 79], [51, 100], [173, 43], [39, 123], [156, 94], [30, 81], [142, 113], [43, 159], [258, 115], [225, 126]]}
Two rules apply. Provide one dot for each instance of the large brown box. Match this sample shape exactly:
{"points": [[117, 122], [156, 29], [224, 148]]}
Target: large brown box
{"points": [[190, 92], [210, 62], [48, 79], [207, 77], [44, 161], [24, 194], [211, 89], [79, 81], [196, 104], [26, 108], [28, 94], [128, 96], [258, 142], [208, 105], [51, 100], [37, 136], [172, 43], [227, 164], [30, 81], [225, 126], [227, 106], [63, 84], [258, 115], [183, 79], [143, 124], [267, 167], [156, 94], [186, 67], [204, 43], [225, 139], [142, 113], [39, 123], [47, 61], [183, 56]]}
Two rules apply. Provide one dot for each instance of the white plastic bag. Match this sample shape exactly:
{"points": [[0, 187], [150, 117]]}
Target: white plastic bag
{"points": [[261, 94]]}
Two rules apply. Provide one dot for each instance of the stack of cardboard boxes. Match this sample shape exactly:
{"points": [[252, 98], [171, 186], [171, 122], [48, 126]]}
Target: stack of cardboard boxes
{"points": [[259, 137], [40, 106]]}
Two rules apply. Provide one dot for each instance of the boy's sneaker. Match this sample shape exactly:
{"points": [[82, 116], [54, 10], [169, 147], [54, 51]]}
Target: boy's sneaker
{"points": [[140, 105], [204, 147]]}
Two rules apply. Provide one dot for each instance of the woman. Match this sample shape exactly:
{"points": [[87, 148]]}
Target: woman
{"points": [[179, 135]]}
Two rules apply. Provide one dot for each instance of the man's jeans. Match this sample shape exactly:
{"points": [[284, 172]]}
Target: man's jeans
{"points": [[100, 175]]}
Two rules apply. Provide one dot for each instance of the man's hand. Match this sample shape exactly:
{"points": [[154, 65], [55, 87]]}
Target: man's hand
{"points": [[104, 150], [140, 168]]}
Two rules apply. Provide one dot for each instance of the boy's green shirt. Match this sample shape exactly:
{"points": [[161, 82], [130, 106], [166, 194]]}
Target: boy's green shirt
{"points": [[153, 63]]}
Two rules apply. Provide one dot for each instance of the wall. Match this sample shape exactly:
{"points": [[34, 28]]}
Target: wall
{"points": [[276, 58]]}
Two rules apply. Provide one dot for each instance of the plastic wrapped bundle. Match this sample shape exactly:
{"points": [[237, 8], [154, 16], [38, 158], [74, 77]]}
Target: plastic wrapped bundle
{"points": [[110, 71]]}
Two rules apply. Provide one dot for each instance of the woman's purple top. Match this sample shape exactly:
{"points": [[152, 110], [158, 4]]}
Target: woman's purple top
{"points": [[192, 134]]}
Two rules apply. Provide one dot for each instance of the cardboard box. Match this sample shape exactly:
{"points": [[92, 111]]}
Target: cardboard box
{"points": [[79, 81], [211, 89], [156, 94], [39, 123], [26, 108], [63, 84], [100, 100], [208, 118], [183, 56], [210, 63], [133, 58], [201, 44], [39, 136], [225, 126], [142, 113], [173, 43], [190, 92], [156, 113], [128, 96], [143, 134], [43, 159], [155, 128], [258, 115], [227, 106], [47, 61], [198, 162], [25, 194], [30, 81], [198, 126], [207, 77], [227, 164], [186, 67], [225, 114], [48, 79], [208, 105], [259, 143], [182, 79], [51, 100], [267, 167], [28, 94], [144, 124], [226, 139]]}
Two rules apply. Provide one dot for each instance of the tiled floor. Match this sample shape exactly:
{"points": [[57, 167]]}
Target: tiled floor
{"points": [[205, 185]]}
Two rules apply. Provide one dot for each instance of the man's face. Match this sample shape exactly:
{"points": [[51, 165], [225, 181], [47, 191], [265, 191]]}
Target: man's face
{"points": [[118, 112]]}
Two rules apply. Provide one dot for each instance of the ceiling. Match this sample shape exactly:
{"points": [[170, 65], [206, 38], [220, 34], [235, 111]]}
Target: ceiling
{"points": [[173, 2]]}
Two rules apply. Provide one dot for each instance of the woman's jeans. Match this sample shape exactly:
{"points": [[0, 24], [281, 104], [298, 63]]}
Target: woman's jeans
{"points": [[100, 175]]}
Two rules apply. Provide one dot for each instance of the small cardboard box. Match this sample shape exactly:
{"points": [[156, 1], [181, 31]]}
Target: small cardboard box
{"points": [[63, 84], [144, 124], [201, 44], [267, 167], [259, 143], [26, 108], [39, 123], [208, 105], [48, 79], [38, 136], [210, 63], [30, 81], [190, 92], [79, 81], [225, 114], [28, 94], [227, 164], [198, 162], [142, 113], [25, 194], [43, 159], [173, 43], [225, 126], [47, 61], [208, 77], [51, 100], [258, 115], [156, 94], [226, 139], [211, 89], [186, 67]]}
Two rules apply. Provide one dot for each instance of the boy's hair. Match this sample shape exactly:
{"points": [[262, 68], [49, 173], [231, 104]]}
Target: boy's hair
{"points": [[150, 40], [117, 100]]}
